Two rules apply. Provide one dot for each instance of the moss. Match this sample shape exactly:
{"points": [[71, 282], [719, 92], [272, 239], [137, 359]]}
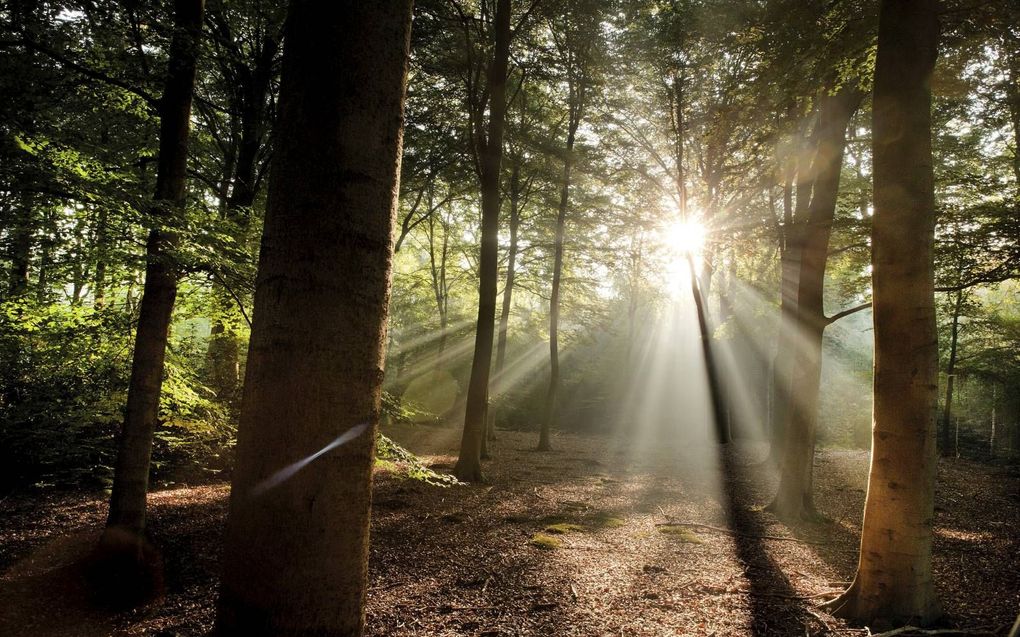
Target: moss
{"points": [[563, 528], [607, 521], [546, 542], [680, 533]]}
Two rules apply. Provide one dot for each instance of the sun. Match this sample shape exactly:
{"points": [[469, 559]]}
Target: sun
{"points": [[682, 246], [685, 238]]}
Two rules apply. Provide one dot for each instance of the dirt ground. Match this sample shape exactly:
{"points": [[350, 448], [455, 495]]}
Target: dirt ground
{"points": [[570, 542]]}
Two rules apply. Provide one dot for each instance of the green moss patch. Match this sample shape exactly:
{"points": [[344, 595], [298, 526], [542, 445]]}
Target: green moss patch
{"points": [[680, 533], [564, 527], [546, 542], [607, 521]]}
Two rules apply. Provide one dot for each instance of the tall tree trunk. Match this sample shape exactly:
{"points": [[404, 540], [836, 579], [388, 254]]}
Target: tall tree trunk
{"points": [[504, 316], [894, 584], [782, 365], [296, 546], [946, 425], [469, 463], [549, 413], [223, 354], [718, 404], [793, 499], [102, 238], [21, 245], [131, 476]]}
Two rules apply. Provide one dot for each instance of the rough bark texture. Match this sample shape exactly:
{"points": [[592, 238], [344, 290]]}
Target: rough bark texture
{"points": [[946, 446], [893, 584], [296, 547], [718, 404], [504, 316], [131, 476], [469, 463], [793, 499], [549, 417], [250, 101], [782, 366]]}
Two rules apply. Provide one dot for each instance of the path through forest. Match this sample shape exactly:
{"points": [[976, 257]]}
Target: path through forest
{"points": [[573, 542]]}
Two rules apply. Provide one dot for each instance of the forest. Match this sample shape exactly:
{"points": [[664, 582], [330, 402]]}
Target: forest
{"points": [[509, 317]]}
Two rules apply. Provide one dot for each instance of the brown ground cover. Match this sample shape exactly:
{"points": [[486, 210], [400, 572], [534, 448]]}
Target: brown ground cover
{"points": [[595, 538]]}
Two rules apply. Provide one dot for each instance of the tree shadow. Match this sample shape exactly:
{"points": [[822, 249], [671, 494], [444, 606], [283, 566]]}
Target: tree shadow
{"points": [[775, 606]]}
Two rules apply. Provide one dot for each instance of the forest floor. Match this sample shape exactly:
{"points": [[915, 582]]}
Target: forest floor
{"points": [[570, 542]]}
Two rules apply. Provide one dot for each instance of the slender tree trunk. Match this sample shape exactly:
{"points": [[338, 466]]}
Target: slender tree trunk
{"points": [[102, 258], [718, 404], [131, 476], [504, 316], [549, 414], [782, 366], [223, 355], [21, 245], [894, 584], [946, 424], [469, 463], [296, 547], [793, 499], [1012, 53]]}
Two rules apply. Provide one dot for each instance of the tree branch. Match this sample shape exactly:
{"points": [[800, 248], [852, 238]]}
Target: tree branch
{"points": [[845, 313]]}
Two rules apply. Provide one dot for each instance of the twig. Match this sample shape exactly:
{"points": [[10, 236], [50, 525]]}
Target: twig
{"points": [[829, 627]]}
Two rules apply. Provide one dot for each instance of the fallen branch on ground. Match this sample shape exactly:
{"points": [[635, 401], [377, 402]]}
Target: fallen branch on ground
{"points": [[911, 631]]}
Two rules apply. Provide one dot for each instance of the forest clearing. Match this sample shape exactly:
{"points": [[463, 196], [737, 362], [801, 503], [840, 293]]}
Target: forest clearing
{"points": [[463, 560], [331, 318]]}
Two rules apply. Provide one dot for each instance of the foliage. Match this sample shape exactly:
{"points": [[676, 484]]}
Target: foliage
{"points": [[409, 465]]}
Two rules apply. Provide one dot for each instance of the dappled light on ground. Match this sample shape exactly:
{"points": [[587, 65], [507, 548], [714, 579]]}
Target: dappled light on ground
{"points": [[668, 541]]}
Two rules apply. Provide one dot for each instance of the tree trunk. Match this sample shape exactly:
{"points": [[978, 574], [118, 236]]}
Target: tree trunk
{"points": [[549, 413], [469, 463], [893, 584], [296, 546], [782, 366], [718, 405], [131, 476], [102, 238], [504, 316], [793, 499], [223, 354], [946, 425], [21, 245]]}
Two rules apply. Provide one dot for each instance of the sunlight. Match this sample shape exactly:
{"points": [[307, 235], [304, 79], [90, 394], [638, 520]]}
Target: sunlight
{"points": [[686, 237], [681, 243]]}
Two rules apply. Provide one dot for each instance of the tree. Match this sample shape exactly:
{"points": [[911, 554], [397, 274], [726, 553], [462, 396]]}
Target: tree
{"points": [[576, 39], [794, 497], [126, 521], [295, 560], [894, 583], [245, 43], [489, 152]]}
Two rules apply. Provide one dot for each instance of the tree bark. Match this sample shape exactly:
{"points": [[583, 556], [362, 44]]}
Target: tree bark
{"points": [[296, 546], [504, 316], [946, 425], [893, 585], [131, 476], [793, 499], [549, 413], [469, 463], [250, 102], [782, 366]]}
